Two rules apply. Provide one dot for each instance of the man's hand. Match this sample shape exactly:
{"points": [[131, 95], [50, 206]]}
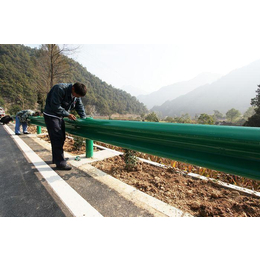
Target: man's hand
{"points": [[72, 117]]}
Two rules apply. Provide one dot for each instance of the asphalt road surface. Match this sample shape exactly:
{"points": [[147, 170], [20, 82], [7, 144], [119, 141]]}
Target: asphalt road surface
{"points": [[22, 194]]}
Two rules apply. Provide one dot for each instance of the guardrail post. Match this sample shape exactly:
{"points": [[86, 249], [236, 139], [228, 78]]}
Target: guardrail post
{"points": [[39, 130], [89, 148]]}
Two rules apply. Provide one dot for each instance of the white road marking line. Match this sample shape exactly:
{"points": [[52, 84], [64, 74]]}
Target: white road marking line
{"points": [[78, 206]]}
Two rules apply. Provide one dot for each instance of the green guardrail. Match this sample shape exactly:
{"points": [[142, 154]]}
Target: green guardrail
{"points": [[230, 149]]}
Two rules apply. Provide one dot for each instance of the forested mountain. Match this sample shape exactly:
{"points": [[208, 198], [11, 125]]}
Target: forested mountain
{"points": [[234, 90], [175, 90], [17, 76], [21, 84]]}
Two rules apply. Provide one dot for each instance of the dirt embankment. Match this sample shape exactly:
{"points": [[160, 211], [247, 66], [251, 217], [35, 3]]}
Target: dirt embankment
{"points": [[198, 197]]}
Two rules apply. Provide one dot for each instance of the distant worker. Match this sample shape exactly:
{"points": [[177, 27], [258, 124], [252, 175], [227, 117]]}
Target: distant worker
{"points": [[61, 99], [21, 118]]}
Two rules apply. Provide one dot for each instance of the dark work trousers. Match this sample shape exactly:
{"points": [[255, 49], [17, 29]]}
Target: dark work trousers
{"points": [[56, 130]]}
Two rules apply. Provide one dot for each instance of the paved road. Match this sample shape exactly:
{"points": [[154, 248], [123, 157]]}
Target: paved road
{"points": [[22, 194]]}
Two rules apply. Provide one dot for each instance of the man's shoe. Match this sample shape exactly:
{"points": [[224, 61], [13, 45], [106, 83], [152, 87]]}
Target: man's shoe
{"points": [[18, 133], [26, 133], [64, 168], [66, 159]]}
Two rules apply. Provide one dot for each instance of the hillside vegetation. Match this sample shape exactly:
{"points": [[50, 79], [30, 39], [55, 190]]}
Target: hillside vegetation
{"points": [[22, 85]]}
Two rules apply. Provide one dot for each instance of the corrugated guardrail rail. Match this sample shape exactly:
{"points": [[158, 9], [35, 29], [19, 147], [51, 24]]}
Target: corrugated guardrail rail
{"points": [[230, 149]]}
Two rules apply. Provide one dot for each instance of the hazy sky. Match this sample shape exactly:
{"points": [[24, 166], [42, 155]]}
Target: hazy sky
{"points": [[149, 44], [148, 67]]}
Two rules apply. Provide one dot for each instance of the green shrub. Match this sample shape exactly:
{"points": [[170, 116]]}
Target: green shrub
{"points": [[152, 117], [130, 159], [78, 142]]}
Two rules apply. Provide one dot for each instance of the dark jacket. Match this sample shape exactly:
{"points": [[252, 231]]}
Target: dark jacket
{"points": [[59, 101]]}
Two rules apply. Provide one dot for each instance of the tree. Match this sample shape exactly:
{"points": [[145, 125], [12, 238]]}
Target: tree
{"points": [[52, 67], [142, 115], [184, 119], [232, 115], [152, 117], [53, 64], [206, 119], [256, 101], [254, 120], [249, 112], [169, 119], [218, 115]]}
